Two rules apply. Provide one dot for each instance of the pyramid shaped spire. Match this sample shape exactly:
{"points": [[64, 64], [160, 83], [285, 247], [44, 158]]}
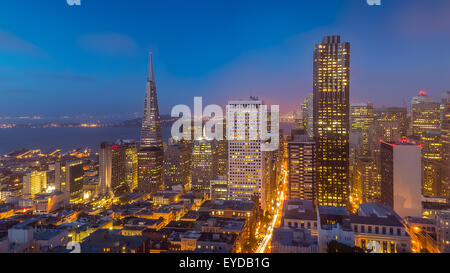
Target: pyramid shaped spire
{"points": [[151, 125]]}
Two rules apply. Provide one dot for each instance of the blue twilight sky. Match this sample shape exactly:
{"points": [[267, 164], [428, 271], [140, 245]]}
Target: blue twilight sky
{"points": [[90, 61]]}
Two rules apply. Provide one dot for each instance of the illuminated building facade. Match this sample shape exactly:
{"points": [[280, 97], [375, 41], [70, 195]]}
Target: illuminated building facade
{"points": [[104, 169], [60, 176], [331, 120], [361, 120], [378, 228], [432, 162], [150, 155], [426, 123], [390, 124], [117, 168], [366, 181], [401, 177], [204, 164], [246, 165], [222, 157], [445, 128], [34, 183], [118, 182], [131, 166], [308, 114], [74, 179], [425, 114], [301, 168], [443, 231], [177, 164], [219, 188], [395, 114]]}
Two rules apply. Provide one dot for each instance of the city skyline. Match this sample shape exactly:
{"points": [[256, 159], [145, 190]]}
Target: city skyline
{"points": [[345, 173], [89, 68]]}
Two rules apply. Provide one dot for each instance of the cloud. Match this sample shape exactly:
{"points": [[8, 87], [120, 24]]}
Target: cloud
{"points": [[108, 43], [12, 44]]}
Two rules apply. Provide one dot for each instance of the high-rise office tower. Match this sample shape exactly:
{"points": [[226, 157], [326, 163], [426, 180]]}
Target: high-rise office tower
{"points": [[118, 182], [398, 115], [445, 100], [445, 138], [177, 163], [390, 124], [426, 123], [308, 115], [222, 157], [301, 168], [131, 165], [204, 164], [383, 130], [74, 179], [366, 181], [117, 167], [104, 169], [432, 162], [401, 177], [425, 114], [124, 167], [246, 165], [361, 120], [151, 154], [332, 120], [60, 176], [443, 231], [34, 183]]}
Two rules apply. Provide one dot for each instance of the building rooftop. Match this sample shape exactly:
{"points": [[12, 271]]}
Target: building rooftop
{"points": [[217, 237], [376, 209], [301, 139], [47, 234], [103, 238], [292, 237], [191, 215], [326, 210], [376, 221], [233, 205], [416, 220], [226, 225]]}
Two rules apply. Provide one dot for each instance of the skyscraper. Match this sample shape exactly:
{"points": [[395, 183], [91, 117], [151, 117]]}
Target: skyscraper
{"points": [[74, 179], [222, 157], [301, 168], [177, 163], [117, 167], [366, 181], [151, 154], [432, 162], [401, 177], [204, 164], [361, 120], [308, 115], [104, 169], [426, 124], [445, 128], [425, 114], [397, 115], [34, 183], [131, 165], [246, 165], [331, 120]]}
